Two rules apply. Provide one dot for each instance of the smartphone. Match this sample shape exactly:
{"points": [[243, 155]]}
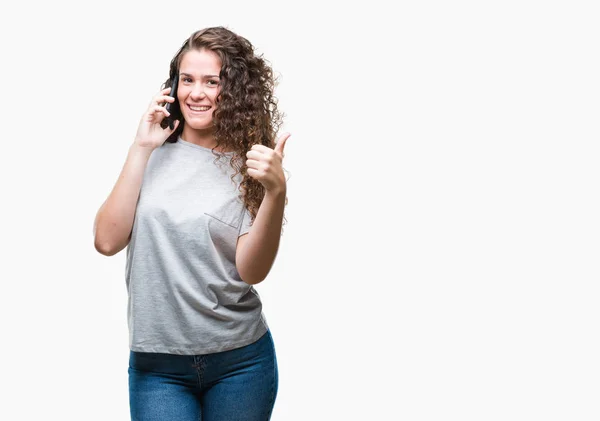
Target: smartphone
{"points": [[173, 107]]}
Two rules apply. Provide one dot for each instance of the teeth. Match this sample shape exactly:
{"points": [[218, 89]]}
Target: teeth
{"points": [[199, 108]]}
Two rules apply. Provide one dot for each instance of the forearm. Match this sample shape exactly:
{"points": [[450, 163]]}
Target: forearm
{"points": [[255, 259], [114, 220]]}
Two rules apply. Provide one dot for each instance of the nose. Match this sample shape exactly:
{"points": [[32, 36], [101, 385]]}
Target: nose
{"points": [[198, 92]]}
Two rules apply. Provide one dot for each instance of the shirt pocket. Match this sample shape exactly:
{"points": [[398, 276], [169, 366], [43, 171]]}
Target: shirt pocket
{"points": [[228, 212]]}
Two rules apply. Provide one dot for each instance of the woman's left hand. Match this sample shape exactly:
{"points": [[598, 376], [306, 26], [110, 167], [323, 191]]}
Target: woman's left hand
{"points": [[265, 165]]}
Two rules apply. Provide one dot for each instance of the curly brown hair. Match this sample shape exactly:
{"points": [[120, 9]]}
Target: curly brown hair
{"points": [[246, 112]]}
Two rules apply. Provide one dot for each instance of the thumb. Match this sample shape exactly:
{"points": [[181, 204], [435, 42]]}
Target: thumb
{"points": [[281, 143], [175, 125]]}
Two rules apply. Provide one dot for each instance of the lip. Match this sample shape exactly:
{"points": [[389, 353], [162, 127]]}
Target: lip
{"points": [[198, 105]]}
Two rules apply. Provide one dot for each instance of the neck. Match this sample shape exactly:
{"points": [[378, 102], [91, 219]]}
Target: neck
{"points": [[200, 137]]}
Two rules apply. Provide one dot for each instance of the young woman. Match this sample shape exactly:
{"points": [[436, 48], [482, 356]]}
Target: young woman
{"points": [[200, 206]]}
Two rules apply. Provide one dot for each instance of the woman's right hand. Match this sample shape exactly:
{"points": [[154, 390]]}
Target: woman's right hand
{"points": [[150, 134]]}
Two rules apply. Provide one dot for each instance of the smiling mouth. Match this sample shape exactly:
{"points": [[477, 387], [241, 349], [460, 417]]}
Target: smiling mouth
{"points": [[199, 109]]}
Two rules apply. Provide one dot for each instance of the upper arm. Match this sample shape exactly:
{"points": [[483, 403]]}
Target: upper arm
{"points": [[239, 248], [240, 244]]}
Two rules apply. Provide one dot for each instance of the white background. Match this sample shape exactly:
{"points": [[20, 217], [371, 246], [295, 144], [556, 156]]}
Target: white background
{"points": [[440, 260]]}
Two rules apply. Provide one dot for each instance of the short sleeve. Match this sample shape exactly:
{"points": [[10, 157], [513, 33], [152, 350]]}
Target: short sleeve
{"points": [[245, 226]]}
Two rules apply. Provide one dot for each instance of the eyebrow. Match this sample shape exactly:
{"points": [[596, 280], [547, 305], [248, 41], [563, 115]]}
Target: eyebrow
{"points": [[187, 74]]}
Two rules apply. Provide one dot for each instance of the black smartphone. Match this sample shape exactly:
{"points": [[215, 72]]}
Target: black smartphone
{"points": [[173, 107]]}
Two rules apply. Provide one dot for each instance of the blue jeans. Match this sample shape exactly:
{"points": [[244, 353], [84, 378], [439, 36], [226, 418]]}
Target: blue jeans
{"points": [[236, 385]]}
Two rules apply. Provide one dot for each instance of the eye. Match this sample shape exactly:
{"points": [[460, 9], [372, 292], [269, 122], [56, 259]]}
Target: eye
{"points": [[186, 79], [213, 82]]}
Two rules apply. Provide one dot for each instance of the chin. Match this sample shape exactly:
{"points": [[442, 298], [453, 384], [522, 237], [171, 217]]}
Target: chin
{"points": [[199, 125]]}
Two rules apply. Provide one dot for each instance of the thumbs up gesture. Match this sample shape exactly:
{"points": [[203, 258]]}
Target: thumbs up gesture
{"points": [[265, 165]]}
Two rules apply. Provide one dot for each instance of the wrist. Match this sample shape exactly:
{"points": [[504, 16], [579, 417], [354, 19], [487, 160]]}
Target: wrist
{"points": [[277, 192], [141, 150]]}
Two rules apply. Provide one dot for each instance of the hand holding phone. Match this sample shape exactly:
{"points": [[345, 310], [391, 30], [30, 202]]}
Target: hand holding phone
{"points": [[152, 130]]}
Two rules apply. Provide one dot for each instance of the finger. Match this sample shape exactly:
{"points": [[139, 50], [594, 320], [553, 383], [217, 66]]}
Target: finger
{"points": [[163, 98], [252, 163], [253, 173], [253, 154], [281, 143], [158, 109], [260, 148]]}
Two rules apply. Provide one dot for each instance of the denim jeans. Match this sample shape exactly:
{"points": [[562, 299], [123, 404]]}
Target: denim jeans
{"points": [[236, 385]]}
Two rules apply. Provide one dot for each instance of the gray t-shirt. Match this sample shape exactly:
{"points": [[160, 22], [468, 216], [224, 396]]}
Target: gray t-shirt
{"points": [[185, 294]]}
